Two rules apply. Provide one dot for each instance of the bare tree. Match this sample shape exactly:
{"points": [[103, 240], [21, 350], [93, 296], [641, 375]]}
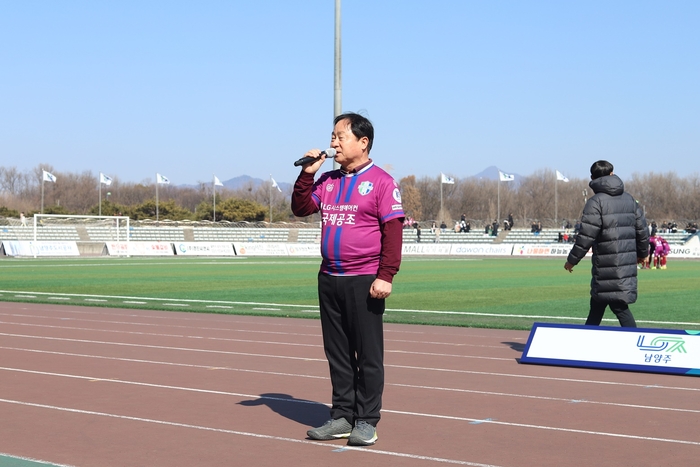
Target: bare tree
{"points": [[411, 197]]}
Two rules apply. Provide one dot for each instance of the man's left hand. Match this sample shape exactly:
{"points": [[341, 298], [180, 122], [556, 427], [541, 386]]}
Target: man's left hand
{"points": [[380, 289]]}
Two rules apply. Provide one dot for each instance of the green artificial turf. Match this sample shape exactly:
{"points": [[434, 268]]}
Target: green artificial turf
{"points": [[489, 292]]}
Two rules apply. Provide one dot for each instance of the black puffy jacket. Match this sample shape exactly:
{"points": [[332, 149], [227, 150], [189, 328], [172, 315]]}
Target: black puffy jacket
{"points": [[614, 225]]}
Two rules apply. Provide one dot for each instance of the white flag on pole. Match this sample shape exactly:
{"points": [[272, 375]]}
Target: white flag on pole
{"points": [[447, 180], [105, 179], [217, 182], [162, 179], [560, 176], [49, 177], [275, 185], [504, 177]]}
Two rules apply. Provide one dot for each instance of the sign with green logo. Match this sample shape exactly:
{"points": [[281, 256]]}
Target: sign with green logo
{"points": [[636, 349]]}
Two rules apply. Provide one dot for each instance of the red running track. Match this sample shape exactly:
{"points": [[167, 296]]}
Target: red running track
{"points": [[92, 387]]}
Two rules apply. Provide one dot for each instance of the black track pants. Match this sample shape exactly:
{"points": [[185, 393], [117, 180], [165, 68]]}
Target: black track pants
{"points": [[353, 339]]}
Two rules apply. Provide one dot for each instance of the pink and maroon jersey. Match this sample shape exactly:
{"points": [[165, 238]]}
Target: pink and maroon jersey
{"points": [[353, 206]]}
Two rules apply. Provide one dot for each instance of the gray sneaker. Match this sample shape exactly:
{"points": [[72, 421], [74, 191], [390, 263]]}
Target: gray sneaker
{"points": [[332, 429], [363, 434]]}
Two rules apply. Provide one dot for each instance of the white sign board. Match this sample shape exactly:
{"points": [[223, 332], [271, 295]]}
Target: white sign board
{"points": [[430, 249], [304, 249], [260, 249], [475, 249], [204, 249], [140, 248], [637, 349], [41, 248]]}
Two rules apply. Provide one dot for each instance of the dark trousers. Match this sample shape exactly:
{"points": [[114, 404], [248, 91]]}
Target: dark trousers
{"points": [[621, 310], [353, 339]]}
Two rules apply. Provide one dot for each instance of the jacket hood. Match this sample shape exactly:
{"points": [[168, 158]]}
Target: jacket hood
{"points": [[609, 184]]}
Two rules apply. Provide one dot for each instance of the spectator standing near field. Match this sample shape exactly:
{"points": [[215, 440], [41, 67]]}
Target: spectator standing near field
{"points": [[361, 232], [614, 226]]}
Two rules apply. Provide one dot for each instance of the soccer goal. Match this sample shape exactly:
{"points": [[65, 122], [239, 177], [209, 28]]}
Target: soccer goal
{"points": [[59, 227]]}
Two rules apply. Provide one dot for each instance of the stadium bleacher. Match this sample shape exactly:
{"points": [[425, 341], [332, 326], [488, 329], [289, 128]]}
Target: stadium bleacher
{"points": [[43, 233], [525, 236], [216, 233], [232, 234]]}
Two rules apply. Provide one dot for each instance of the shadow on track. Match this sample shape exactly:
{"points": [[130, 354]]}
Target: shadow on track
{"points": [[305, 412]]}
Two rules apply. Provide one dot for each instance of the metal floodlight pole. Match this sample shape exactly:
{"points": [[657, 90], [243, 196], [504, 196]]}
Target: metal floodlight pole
{"points": [[337, 87]]}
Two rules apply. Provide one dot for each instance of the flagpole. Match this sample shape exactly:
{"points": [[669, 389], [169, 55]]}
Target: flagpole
{"points": [[498, 211], [440, 213], [156, 197], [214, 197], [270, 199], [99, 183], [556, 200], [42, 192]]}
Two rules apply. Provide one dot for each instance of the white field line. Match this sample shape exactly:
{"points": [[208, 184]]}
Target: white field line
{"points": [[20, 294]]}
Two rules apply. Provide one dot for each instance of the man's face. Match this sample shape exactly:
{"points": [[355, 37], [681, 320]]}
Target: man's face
{"points": [[350, 151]]}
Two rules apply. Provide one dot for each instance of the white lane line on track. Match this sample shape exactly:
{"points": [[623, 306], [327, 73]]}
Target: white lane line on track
{"points": [[398, 412], [251, 435], [178, 336], [186, 349], [408, 367], [204, 328], [550, 428], [49, 326], [37, 461], [25, 294], [297, 375], [546, 398], [156, 362], [228, 339], [142, 324]]}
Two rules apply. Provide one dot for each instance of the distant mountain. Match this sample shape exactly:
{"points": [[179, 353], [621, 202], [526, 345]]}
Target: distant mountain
{"points": [[491, 173], [246, 181]]}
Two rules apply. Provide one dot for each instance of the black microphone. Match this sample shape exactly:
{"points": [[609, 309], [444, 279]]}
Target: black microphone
{"points": [[330, 154]]}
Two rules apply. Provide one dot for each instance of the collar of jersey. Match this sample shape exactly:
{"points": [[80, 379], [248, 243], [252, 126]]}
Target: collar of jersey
{"points": [[357, 170]]}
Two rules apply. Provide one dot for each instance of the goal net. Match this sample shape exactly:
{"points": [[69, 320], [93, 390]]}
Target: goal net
{"points": [[57, 227]]}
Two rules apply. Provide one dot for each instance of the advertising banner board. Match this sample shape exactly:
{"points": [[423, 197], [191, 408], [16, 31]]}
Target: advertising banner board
{"points": [[614, 348]]}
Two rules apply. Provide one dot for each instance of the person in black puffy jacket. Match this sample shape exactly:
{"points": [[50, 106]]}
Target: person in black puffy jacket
{"points": [[613, 225]]}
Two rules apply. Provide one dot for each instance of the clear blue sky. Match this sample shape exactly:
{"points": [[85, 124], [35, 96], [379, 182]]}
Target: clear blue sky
{"points": [[194, 88]]}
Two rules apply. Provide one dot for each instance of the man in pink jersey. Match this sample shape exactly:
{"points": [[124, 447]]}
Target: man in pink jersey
{"points": [[361, 231]]}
